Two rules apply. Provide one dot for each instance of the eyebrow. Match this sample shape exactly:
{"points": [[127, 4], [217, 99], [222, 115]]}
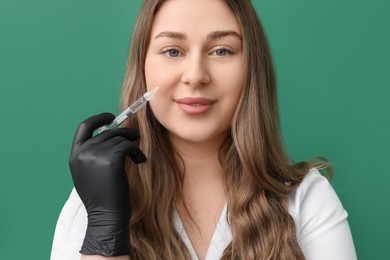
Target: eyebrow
{"points": [[173, 35], [220, 34], [211, 36]]}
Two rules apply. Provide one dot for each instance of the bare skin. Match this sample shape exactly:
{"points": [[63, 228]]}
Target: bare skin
{"points": [[198, 65], [202, 59], [203, 192]]}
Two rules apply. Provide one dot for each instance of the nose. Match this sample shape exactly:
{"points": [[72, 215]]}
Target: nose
{"points": [[195, 71]]}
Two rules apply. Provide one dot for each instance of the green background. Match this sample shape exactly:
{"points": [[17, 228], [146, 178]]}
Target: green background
{"points": [[62, 61]]}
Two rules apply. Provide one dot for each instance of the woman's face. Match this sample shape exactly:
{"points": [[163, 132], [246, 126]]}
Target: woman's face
{"points": [[195, 57]]}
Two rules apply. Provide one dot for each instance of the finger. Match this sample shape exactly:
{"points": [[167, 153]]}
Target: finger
{"points": [[87, 127], [123, 147], [132, 150], [128, 133], [112, 144]]}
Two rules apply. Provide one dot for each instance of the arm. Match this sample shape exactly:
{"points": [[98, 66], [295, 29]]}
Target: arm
{"points": [[70, 230], [98, 170]]}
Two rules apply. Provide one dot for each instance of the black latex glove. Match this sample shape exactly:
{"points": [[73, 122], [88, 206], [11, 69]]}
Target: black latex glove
{"points": [[98, 171]]}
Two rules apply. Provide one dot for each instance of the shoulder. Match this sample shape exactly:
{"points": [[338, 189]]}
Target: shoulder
{"points": [[313, 185], [320, 219], [315, 193], [70, 229]]}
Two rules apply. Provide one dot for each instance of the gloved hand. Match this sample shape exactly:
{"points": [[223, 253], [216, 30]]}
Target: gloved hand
{"points": [[98, 171]]}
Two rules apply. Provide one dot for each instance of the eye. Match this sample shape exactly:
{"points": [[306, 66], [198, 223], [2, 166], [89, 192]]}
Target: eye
{"points": [[223, 52], [171, 52]]}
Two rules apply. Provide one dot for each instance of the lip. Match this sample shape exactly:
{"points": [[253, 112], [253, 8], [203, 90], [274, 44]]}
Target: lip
{"points": [[195, 105]]}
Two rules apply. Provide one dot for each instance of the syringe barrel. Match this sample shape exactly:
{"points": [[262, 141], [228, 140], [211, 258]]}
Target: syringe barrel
{"points": [[137, 105]]}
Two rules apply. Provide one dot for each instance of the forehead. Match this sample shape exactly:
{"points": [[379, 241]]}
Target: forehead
{"points": [[194, 15]]}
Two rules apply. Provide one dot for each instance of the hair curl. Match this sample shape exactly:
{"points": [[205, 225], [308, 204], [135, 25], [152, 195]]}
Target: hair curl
{"points": [[259, 176]]}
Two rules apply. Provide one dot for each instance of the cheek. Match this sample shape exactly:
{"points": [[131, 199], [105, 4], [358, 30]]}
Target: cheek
{"points": [[233, 87], [232, 83], [160, 104], [154, 73], [154, 105], [230, 106], [159, 76], [231, 75], [151, 77]]}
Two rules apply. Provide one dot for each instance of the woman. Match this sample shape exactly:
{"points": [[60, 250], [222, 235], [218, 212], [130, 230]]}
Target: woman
{"points": [[217, 183]]}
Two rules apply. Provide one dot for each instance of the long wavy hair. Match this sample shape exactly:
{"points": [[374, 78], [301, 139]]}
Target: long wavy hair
{"points": [[258, 178]]}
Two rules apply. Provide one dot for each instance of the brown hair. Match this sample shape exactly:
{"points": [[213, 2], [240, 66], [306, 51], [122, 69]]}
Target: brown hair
{"points": [[259, 177]]}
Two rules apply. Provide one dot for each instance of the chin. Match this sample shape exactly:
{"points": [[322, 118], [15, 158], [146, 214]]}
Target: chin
{"points": [[196, 137]]}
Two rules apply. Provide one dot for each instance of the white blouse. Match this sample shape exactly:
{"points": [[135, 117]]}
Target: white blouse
{"points": [[321, 223]]}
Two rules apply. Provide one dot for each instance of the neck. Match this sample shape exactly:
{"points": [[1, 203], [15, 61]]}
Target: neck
{"points": [[203, 188], [199, 162]]}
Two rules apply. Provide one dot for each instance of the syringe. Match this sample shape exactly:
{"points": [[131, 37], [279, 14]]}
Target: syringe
{"points": [[137, 105]]}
